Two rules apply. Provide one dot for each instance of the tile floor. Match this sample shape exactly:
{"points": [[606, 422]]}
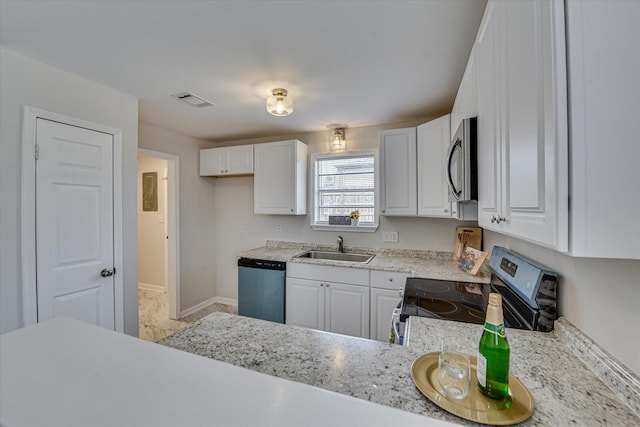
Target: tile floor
{"points": [[155, 323]]}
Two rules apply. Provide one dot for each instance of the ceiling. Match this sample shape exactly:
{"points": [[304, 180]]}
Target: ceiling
{"points": [[354, 63]]}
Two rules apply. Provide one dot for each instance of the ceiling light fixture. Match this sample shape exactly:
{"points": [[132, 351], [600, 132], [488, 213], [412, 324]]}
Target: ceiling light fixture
{"points": [[338, 140], [279, 104]]}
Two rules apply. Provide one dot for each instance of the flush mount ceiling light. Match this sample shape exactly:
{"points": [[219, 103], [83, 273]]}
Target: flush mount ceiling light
{"points": [[338, 141], [279, 104]]}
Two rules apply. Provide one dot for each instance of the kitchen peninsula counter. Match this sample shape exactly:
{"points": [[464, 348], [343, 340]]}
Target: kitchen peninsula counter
{"points": [[417, 263], [565, 390]]}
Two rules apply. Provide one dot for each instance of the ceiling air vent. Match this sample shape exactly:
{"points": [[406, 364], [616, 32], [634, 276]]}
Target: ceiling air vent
{"points": [[193, 100]]}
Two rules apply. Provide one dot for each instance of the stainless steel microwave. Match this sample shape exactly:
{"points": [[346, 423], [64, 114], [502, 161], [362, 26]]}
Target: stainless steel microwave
{"points": [[462, 162]]}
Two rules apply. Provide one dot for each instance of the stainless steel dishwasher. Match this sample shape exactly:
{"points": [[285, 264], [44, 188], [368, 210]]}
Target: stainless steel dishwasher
{"points": [[261, 289]]}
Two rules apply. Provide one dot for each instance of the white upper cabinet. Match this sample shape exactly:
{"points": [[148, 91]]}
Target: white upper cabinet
{"points": [[603, 46], [398, 175], [280, 178], [466, 103], [433, 142], [236, 160], [522, 123]]}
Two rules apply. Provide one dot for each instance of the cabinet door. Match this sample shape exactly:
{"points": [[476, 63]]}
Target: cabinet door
{"points": [[489, 172], [304, 303], [534, 194], [433, 143], [383, 301], [280, 178], [604, 90], [275, 178], [347, 309], [466, 104], [212, 161], [239, 159], [398, 172]]}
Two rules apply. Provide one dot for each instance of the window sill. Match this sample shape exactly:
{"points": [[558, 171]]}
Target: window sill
{"points": [[351, 228]]}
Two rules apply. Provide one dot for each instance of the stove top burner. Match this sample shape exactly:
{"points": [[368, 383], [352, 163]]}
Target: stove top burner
{"points": [[432, 286], [438, 306]]}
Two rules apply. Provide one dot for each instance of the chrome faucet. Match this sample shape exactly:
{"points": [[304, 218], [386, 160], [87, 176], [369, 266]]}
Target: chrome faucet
{"points": [[340, 247]]}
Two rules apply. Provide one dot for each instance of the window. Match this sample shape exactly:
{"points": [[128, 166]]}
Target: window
{"points": [[344, 183]]}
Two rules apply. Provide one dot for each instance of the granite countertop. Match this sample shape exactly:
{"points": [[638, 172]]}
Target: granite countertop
{"points": [[417, 263], [565, 390]]}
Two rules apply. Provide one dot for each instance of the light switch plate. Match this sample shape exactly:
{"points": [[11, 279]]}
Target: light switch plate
{"points": [[390, 236]]}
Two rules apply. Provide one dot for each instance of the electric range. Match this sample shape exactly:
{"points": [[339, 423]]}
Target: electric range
{"points": [[528, 294]]}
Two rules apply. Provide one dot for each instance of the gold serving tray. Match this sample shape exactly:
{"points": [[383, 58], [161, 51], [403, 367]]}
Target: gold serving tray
{"points": [[517, 407]]}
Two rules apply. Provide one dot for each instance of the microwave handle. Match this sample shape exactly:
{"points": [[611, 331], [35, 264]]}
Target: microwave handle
{"points": [[452, 186]]}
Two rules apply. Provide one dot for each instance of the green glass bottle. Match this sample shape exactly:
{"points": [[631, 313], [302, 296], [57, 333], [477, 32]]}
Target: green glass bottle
{"points": [[493, 352]]}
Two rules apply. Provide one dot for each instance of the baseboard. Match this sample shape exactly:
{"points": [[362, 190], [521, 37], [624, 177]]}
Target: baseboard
{"points": [[226, 301], [207, 303], [150, 287]]}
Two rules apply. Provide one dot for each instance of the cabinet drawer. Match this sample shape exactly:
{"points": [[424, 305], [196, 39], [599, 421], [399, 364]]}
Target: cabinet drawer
{"points": [[388, 279], [354, 276]]}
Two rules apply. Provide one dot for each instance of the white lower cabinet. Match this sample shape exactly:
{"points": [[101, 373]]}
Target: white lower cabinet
{"points": [[387, 289], [316, 298], [304, 303]]}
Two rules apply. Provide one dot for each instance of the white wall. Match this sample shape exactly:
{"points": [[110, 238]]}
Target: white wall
{"points": [[151, 227], [599, 296], [197, 216], [24, 81]]}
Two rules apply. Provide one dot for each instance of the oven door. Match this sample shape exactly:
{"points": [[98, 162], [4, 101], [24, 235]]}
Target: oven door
{"points": [[455, 169]]}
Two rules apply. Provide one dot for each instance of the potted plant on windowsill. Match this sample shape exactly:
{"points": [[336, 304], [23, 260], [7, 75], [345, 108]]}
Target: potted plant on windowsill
{"points": [[355, 218]]}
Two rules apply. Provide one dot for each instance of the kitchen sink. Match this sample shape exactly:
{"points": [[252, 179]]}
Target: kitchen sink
{"points": [[337, 256]]}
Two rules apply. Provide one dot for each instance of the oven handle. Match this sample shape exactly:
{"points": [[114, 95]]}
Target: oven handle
{"points": [[452, 187]]}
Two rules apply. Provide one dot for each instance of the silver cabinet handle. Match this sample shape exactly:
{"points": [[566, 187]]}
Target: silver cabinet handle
{"points": [[493, 219], [327, 285], [106, 273], [501, 219], [391, 279]]}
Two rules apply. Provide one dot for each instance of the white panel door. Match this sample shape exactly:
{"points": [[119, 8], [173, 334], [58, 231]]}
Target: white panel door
{"points": [[74, 223], [304, 303], [347, 309]]}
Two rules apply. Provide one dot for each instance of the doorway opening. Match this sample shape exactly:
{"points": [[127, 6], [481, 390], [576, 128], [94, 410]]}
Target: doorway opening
{"points": [[158, 245]]}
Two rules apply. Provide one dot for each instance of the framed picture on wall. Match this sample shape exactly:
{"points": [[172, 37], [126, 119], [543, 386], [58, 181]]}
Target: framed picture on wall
{"points": [[150, 191]]}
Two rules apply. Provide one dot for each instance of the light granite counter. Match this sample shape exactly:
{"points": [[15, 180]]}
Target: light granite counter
{"points": [[565, 390], [417, 263]]}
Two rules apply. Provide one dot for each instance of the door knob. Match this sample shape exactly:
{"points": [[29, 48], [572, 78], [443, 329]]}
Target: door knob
{"points": [[106, 273]]}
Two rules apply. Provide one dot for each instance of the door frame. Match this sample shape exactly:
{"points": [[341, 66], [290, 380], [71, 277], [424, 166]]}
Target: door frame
{"points": [[28, 211], [172, 253]]}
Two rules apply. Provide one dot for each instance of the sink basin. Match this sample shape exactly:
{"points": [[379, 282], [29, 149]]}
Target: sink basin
{"points": [[337, 256]]}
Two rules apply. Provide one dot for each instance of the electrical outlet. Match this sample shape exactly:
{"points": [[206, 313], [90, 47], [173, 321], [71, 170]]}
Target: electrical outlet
{"points": [[390, 236], [278, 230], [243, 228]]}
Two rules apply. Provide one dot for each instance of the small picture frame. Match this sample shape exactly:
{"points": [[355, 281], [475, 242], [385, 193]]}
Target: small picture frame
{"points": [[150, 191]]}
